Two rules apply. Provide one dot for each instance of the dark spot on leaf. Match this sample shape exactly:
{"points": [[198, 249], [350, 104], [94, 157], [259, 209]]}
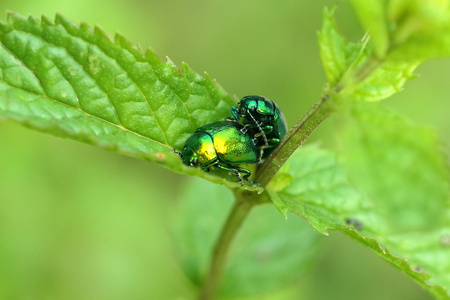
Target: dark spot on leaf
{"points": [[418, 269], [355, 223]]}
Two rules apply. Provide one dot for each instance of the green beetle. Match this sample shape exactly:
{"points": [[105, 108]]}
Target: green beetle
{"points": [[223, 145], [264, 121]]}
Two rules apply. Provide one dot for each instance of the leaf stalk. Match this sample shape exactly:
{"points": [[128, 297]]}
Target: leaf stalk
{"points": [[296, 136], [238, 214]]}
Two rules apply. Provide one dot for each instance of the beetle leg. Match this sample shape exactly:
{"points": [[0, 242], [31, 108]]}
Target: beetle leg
{"points": [[267, 128], [273, 142], [237, 171], [247, 175], [232, 170], [261, 148], [245, 128], [264, 130], [235, 112], [261, 152], [231, 119]]}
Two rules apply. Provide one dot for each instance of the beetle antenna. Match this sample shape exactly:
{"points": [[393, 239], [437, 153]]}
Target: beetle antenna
{"points": [[176, 152], [266, 142]]}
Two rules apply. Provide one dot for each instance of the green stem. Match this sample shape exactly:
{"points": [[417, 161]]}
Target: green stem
{"points": [[296, 136], [240, 211]]}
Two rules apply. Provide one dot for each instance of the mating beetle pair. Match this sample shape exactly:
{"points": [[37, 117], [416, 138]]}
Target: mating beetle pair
{"points": [[251, 135]]}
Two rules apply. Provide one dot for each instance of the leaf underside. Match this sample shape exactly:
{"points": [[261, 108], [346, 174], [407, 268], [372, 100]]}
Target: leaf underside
{"points": [[320, 191]]}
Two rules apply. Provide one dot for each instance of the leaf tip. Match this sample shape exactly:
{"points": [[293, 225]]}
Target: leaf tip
{"points": [[121, 40], [12, 17], [101, 34], [46, 20], [170, 62]]}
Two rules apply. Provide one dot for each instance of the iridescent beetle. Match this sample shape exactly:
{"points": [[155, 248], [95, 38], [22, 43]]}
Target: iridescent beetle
{"points": [[263, 120], [257, 128], [223, 145]]}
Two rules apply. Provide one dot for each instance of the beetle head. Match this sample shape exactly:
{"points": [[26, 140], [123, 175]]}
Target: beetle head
{"points": [[189, 156]]}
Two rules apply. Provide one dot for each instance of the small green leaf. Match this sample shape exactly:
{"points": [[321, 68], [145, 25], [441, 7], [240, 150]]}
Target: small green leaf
{"points": [[385, 81], [323, 195], [75, 82], [268, 252], [336, 53], [343, 61]]}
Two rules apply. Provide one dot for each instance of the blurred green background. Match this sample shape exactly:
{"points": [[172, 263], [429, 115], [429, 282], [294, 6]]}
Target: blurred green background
{"points": [[77, 222]]}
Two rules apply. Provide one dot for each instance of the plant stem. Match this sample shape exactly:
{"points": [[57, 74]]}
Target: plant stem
{"points": [[240, 211], [296, 136]]}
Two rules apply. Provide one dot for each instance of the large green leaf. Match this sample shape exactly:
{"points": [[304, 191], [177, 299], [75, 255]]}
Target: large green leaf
{"points": [[400, 167], [397, 164], [313, 185], [268, 253], [75, 82]]}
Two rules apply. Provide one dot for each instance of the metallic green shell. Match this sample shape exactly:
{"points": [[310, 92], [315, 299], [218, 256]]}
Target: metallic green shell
{"points": [[219, 142], [230, 144], [252, 109], [199, 146]]}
